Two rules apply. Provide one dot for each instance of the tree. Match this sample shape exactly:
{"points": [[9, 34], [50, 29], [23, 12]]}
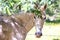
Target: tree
{"points": [[14, 6]]}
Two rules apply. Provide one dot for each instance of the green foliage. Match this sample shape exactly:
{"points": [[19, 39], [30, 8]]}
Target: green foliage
{"points": [[14, 6], [54, 5], [9, 6], [49, 12], [55, 39]]}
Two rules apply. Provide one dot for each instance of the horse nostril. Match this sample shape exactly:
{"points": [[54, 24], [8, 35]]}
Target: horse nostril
{"points": [[38, 35]]}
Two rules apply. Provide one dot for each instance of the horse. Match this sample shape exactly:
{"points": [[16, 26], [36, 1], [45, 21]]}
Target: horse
{"points": [[16, 27]]}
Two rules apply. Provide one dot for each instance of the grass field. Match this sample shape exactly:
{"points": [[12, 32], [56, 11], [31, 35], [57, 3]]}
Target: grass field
{"points": [[50, 32]]}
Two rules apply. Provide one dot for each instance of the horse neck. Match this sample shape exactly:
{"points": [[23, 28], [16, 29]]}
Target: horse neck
{"points": [[30, 23], [27, 20]]}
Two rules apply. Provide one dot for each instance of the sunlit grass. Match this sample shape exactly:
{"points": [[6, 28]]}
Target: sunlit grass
{"points": [[51, 24]]}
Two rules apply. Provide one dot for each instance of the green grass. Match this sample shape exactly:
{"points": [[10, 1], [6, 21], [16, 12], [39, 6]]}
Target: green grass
{"points": [[51, 24], [55, 22]]}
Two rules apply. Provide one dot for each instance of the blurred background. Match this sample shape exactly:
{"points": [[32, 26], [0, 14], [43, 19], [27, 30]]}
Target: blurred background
{"points": [[51, 29]]}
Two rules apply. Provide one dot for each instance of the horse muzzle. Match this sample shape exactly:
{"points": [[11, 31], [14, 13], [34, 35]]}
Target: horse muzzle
{"points": [[38, 34]]}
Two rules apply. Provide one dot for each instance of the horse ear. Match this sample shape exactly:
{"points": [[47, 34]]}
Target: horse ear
{"points": [[45, 6], [42, 8], [36, 5]]}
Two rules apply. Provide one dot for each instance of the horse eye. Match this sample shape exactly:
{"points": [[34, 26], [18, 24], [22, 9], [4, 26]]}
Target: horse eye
{"points": [[34, 17]]}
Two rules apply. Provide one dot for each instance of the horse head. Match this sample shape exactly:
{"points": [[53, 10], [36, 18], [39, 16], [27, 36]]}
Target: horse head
{"points": [[40, 21]]}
